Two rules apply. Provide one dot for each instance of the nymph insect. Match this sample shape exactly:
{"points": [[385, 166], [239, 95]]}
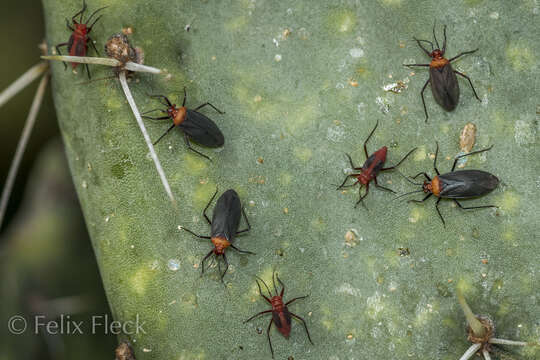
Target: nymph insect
{"points": [[281, 315], [224, 226], [454, 185], [196, 126], [442, 76], [77, 44], [370, 169]]}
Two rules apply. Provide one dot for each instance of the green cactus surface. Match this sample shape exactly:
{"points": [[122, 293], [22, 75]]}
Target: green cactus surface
{"points": [[302, 84]]}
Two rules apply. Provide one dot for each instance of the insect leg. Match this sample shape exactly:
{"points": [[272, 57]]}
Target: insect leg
{"points": [[207, 205], [57, 47], [344, 181], [362, 197], [444, 42], [162, 97], [470, 83], [166, 132], [435, 36], [69, 25], [267, 289], [463, 53], [88, 71], [382, 187], [424, 199], [212, 106], [422, 95], [93, 45], [438, 211], [197, 235], [400, 161], [351, 162], [296, 298], [261, 313], [186, 138], [422, 173], [305, 326], [282, 286], [423, 48], [247, 222], [80, 13], [410, 65], [268, 335], [471, 153], [226, 267], [435, 160], [475, 207], [204, 260], [242, 251], [369, 136]]}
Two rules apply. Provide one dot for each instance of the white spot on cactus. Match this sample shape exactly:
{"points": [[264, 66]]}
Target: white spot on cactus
{"points": [[277, 57], [524, 132], [494, 15], [374, 305], [335, 133], [173, 264], [356, 52], [346, 288]]}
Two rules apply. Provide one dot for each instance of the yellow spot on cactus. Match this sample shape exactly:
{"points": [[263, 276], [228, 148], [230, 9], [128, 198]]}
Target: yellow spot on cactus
{"points": [[520, 57], [285, 178], [391, 2], [420, 154], [112, 102], [303, 154], [449, 323], [416, 214], [236, 23], [194, 164], [202, 194], [318, 223], [300, 116], [342, 21], [510, 201], [504, 309], [465, 285], [140, 279]]}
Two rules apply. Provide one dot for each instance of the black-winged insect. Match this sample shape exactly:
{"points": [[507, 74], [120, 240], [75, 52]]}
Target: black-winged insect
{"points": [[196, 126], [454, 185], [224, 226], [443, 79]]}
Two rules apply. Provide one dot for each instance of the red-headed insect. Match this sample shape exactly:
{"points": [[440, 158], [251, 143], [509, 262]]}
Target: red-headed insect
{"points": [[443, 79], [77, 44], [281, 315], [371, 168], [196, 126], [224, 226], [454, 185]]}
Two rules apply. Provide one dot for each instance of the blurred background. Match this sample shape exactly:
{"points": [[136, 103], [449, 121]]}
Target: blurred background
{"points": [[47, 265]]}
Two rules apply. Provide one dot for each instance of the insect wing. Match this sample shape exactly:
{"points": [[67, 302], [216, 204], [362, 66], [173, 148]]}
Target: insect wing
{"points": [[202, 129], [226, 216], [465, 184], [445, 87]]}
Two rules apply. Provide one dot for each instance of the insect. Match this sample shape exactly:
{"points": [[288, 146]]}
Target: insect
{"points": [[77, 44], [371, 168], [196, 126], [454, 185], [442, 76], [224, 226], [281, 315]]}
